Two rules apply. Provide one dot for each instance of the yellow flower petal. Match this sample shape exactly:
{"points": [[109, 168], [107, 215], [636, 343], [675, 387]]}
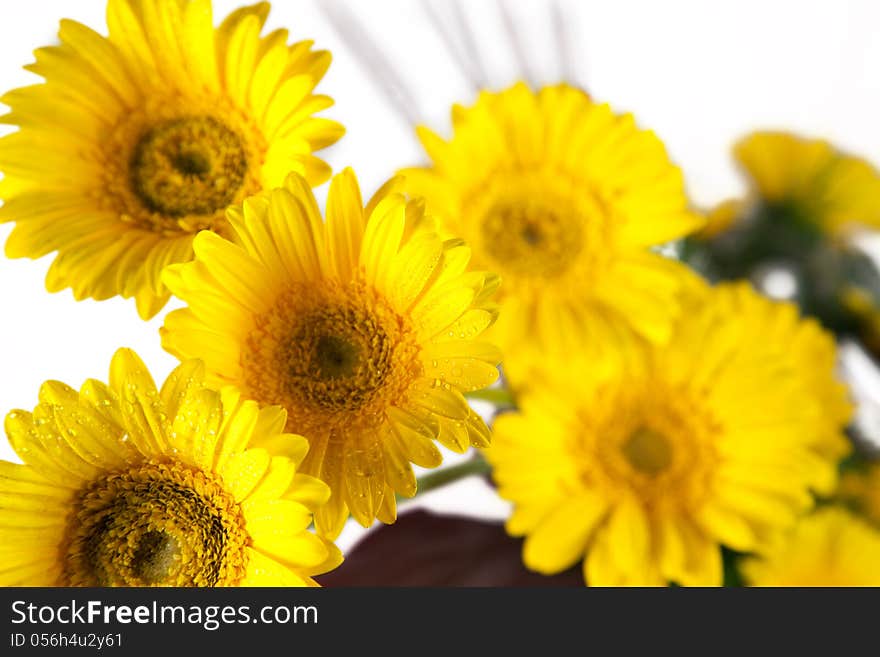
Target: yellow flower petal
{"points": [[561, 539], [243, 471], [265, 571]]}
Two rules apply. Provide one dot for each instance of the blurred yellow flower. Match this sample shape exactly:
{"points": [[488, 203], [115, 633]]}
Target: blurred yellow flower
{"points": [[564, 199], [806, 180], [831, 547], [721, 218], [126, 485], [859, 490], [363, 328], [646, 471], [138, 140], [809, 353]]}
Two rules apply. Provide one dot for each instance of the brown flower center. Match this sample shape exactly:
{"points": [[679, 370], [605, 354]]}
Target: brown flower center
{"points": [[334, 355], [190, 165], [531, 238], [338, 357], [156, 524], [648, 451]]}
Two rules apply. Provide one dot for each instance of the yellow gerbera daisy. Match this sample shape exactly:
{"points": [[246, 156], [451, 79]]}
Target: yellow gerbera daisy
{"points": [[126, 485], [563, 198], [138, 140], [804, 180], [831, 547], [363, 328], [715, 439]]}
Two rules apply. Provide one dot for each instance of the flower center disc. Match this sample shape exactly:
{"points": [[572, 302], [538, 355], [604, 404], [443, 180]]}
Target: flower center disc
{"points": [[338, 357], [648, 451], [531, 238], [157, 524], [333, 355], [191, 165], [655, 442]]}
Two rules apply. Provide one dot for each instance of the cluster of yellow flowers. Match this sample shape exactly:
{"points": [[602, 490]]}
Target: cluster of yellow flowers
{"points": [[659, 421]]}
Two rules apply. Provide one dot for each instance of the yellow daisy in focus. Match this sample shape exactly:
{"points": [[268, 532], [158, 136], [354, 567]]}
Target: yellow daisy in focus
{"points": [[563, 198], [804, 180], [363, 328], [713, 440], [831, 547], [138, 140], [127, 485]]}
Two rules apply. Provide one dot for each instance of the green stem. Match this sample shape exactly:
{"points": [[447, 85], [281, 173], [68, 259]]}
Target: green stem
{"points": [[439, 478], [497, 396]]}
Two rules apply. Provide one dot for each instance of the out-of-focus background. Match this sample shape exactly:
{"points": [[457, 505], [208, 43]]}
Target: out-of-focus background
{"points": [[699, 74]]}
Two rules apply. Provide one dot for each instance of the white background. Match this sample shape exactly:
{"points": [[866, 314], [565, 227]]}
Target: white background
{"points": [[699, 73]]}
